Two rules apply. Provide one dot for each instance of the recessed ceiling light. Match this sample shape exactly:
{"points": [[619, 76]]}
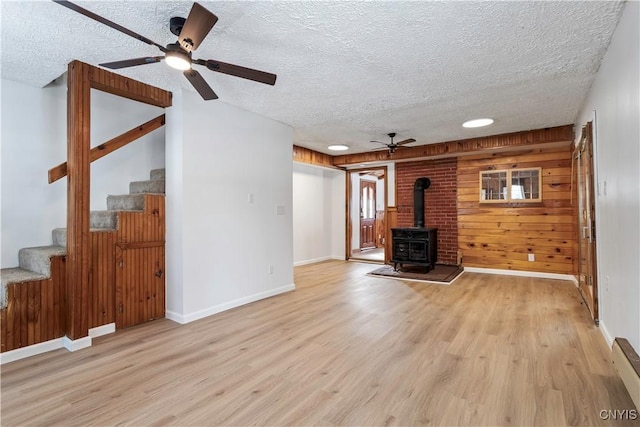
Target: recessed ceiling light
{"points": [[338, 147], [477, 123]]}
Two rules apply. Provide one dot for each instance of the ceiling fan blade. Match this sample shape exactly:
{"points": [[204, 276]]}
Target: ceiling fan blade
{"points": [[132, 62], [108, 23], [200, 84], [238, 71], [378, 142], [406, 141], [196, 27]]}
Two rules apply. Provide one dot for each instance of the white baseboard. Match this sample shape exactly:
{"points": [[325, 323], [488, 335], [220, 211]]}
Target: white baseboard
{"points": [[200, 314], [605, 333], [99, 331], [55, 344], [75, 345], [32, 350], [539, 274], [316, 260]]}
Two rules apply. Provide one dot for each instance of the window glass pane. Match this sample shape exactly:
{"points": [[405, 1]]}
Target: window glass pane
{"points": [[494, 186], [525, 184]]}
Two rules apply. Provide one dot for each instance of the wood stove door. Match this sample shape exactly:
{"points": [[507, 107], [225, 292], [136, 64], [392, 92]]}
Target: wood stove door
{"points": [[367, 214]]}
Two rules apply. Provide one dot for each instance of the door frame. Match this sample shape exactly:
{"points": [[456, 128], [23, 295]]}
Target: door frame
{"points": [[348, 204], [588, 134], [365, 183]]}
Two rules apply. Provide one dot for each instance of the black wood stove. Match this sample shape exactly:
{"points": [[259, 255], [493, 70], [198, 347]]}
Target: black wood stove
{"points": [[416, 245]]}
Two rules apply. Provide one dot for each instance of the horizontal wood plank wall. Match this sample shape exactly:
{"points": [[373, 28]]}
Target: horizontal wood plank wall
{"points": [[502, 235], [35, 310], [102, 279]]}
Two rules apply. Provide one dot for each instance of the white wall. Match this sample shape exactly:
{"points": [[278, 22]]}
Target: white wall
{"points": [[380, 194], [339, 216], [34, 128], [318, 214], [615, 98], [226, 156]]}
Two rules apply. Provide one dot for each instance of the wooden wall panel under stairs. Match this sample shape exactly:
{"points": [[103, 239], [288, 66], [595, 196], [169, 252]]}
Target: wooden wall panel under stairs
{"points": [[102, 279], [35, 310], [125, 296]]}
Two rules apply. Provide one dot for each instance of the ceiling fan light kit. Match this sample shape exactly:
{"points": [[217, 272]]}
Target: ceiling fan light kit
{"points": [[191, 32], [177, 58]]}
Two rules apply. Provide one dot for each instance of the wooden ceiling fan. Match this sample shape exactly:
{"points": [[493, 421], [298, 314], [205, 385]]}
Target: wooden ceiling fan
{"points": [[191, 32], [392, 146]]}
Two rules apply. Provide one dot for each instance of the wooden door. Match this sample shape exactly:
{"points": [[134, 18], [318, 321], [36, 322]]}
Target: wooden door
{"points": [[587, 271], [367, 214], [139, 283]]}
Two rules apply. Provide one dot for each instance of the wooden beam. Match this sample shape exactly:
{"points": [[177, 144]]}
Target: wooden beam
{"points": [[79, 174], [516, 140], [112, 145], [125, 87], [311, 157]]}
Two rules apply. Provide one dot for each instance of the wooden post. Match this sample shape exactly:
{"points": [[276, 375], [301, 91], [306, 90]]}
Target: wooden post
{"points": [[78, 190], [391, 221]]}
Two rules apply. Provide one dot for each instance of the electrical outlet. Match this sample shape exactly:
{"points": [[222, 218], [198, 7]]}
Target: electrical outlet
{"points": [[271, 269], [532, 257], [250, 198]]}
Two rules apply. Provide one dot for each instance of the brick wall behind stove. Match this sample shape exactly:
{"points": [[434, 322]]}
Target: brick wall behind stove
{"points": [[439, 200]]}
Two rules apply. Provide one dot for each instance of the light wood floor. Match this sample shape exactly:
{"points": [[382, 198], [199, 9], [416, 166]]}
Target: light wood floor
{"points": [[375, 255], [343, 349]]}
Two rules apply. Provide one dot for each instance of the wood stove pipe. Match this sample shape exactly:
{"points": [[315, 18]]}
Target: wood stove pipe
{"points": [[419, 187]]}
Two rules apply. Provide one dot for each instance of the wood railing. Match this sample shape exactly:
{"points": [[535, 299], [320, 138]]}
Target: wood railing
{"points": [[112, 145]]}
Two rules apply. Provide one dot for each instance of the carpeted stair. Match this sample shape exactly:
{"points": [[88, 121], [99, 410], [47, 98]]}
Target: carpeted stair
{"points": [[35, 263]]}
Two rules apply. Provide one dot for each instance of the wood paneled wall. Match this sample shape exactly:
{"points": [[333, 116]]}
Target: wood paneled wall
{"points": [[140, 264], [147, 226], [494, 143], [102, 279], [502, 235], [381, 235], [35, 310], [311, 157], [391, 221]]}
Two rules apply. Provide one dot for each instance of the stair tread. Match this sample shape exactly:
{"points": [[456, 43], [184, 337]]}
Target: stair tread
{"points": [[49, 250], [17, 275], [149, 186], [91, 229], [157, 173]]}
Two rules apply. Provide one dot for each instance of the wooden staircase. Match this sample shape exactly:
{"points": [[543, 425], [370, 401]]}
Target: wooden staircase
{"points": [[126, 281]]}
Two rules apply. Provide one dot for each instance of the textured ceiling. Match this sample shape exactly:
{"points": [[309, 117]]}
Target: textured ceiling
{"points": [[348, 72]]}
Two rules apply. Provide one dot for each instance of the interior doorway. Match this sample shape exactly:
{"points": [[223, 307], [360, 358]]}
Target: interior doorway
{"points": [[366, 205], [587, 268], [367, 214]]}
